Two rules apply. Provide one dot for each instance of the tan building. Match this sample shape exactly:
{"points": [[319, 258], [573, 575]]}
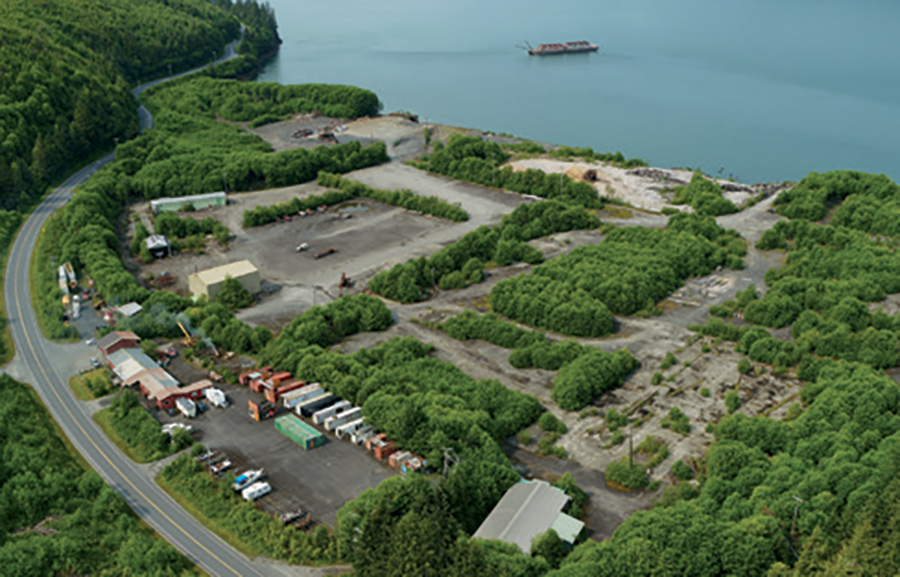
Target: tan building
{"points": [[210, 281]]}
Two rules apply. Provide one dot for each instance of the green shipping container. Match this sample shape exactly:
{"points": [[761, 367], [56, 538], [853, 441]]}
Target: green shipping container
{"points": [[299, 432]]}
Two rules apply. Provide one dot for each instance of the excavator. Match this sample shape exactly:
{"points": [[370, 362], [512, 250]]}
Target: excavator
{"points": [[188, 340]]}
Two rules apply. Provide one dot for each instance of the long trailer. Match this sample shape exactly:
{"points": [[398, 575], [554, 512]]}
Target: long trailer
{"points": [[187, 407], [319, 416], [348, 429], [294, 398], [307, 409], [362, 434], [332, 423], [273, 395]]}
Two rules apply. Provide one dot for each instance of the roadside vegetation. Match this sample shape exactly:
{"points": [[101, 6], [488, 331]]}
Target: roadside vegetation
{"points": [[239, 522], [347, 189], [462, 263], [92, 384], [589, 155], [59, 518], [10, 221], [136, 432]]}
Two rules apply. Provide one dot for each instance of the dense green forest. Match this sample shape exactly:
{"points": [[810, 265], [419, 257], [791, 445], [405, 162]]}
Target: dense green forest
{"points": [[477, 160], [86, 527], [463, 262], [633, 268], [67, 70], [347, 189]]}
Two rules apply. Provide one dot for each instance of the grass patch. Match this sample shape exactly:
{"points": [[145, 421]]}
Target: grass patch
{"points": [[136, 432], [91, 385], [211, 524]]}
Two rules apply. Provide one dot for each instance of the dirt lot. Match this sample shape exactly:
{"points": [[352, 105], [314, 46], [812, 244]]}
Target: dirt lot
{"points": [[319, 481], [369, 236]]}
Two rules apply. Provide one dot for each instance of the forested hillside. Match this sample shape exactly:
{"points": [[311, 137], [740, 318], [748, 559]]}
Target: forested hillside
{"points": [[56, 518], [66, 69]]}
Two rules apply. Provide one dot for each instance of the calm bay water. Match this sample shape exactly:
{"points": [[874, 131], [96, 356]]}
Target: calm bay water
{"points": [[762, 90]]}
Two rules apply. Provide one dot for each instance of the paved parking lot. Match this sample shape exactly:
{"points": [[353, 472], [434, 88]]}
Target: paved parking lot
{"points": [[319, 481]]}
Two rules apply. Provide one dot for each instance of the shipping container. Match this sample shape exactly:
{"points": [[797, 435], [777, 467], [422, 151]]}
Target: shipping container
{"points": [[362, 434], [291, 385], [255, 374], [349, 428], [294, 398], [319, 416], [299, 432], [309, 408], [379, 438], [385, 450], [332, 423]]}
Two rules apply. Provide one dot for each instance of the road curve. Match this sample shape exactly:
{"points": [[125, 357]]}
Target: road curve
{"points": [[153, 504]]}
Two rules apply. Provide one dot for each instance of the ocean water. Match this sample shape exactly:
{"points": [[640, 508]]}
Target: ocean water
{"points": [[760, 90]]}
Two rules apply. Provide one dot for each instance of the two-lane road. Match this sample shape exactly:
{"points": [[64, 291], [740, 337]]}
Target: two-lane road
{"points": [[134, 483]]}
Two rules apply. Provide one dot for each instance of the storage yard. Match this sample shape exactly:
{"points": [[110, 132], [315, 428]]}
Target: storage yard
{"points": [[319, 480]]}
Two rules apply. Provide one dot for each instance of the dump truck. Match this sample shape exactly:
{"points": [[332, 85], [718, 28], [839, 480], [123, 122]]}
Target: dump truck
{"points": [[319, 416], [187, 407], [295, 397], [332, 423], [260, 410]]}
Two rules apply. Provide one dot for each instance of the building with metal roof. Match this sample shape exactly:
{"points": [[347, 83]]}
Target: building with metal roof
{"points": [[126, 363], [210, 281], [117, 340], [158, 245], [527, 511], [197, 201]]}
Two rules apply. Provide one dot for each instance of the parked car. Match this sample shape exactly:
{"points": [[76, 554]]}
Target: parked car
{"points": [[95, 362], [90, 342], [171, 411], [201, 407]]}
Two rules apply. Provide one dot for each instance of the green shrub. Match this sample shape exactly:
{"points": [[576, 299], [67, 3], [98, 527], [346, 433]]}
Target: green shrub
{"points": [[549, 423], [732, 401], [704, 392], [525, 437], [627, 475], [669, 361], [615, 419], [657, 378], [677, 421], [744, 366], [682, 471]]}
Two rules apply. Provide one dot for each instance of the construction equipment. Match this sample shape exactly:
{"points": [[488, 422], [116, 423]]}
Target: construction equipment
{"points": [[261, 410], [70, 274], [188, 340]]}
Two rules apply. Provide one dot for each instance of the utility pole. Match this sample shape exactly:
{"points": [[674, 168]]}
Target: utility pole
{"points": [[630, 449]]}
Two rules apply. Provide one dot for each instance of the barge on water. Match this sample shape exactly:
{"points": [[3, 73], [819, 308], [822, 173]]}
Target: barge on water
{"points": [[562, 48]]}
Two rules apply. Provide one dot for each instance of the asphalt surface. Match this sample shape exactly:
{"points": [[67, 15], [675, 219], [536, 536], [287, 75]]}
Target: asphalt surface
{"points": [[134, 482]]}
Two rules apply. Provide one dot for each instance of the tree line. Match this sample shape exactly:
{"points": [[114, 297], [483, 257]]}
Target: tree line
{"points": [[633, 268], [474, 159], [348, 190], [588, 154], [462, 262], [94, 530]]}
